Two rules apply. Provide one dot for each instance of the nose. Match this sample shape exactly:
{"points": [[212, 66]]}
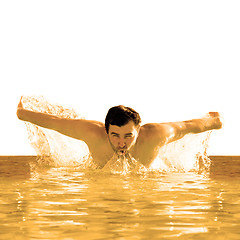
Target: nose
{"points": [[121, 143]]}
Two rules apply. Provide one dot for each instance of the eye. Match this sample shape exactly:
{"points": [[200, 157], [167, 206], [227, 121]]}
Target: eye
{"points": [[115, 135], [128, 136]]}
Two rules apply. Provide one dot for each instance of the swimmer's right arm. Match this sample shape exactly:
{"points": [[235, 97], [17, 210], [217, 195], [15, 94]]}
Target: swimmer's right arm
{"points": [[40, 119], [86, 130]]}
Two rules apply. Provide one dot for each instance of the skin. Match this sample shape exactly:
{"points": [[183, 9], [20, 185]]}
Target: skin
{"points": [[141, 142]]}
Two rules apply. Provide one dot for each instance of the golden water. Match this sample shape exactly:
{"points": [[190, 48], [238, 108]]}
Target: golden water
{"points": [[72, 203]]}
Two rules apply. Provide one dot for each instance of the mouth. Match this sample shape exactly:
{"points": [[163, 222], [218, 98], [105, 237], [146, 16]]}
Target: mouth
{"points": [[122, 151]]}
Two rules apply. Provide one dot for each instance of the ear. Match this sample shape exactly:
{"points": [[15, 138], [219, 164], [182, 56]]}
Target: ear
{"points": [[138, 128], [106, 130]]}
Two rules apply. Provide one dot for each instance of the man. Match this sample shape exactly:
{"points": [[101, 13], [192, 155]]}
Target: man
{"points": [[122, 133]]}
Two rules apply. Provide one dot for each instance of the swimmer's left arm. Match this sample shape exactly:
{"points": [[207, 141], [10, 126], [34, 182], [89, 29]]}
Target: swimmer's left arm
{"points": [[164, 133], [194, 126]]}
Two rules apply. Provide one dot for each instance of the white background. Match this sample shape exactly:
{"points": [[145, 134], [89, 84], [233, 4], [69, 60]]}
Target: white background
{"points": [[169, 60]]}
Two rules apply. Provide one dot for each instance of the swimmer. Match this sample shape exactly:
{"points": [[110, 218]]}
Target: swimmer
{"points": [[122, 133]]}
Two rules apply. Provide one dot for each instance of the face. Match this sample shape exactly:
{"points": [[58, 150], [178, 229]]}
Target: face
{"points": [[123, 138]]}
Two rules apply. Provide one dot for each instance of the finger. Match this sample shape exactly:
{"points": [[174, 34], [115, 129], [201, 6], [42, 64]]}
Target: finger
{"points": [[214, 114]]}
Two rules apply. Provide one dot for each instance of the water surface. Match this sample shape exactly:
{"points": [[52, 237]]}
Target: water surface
{"points": [[72, 203]]}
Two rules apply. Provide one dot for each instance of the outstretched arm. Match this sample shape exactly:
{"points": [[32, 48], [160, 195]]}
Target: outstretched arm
{"points": [[164, 133], [86, 130]]}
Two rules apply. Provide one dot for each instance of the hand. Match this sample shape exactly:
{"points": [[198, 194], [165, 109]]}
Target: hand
{"points": [[218, 121], [19, 108], [214, 114], [20, 103]]}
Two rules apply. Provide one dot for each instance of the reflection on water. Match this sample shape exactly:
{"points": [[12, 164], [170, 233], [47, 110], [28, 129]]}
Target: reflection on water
{"points": [[70, 203]]}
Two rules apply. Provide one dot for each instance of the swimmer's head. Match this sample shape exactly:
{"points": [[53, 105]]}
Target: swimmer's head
{"points": [[120, 116], [122, 126]]}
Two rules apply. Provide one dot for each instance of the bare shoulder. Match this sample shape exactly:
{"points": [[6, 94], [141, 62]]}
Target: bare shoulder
{"points": [[155, 128], [90, 128], [151, 137], [89, 125], [155, 132]]}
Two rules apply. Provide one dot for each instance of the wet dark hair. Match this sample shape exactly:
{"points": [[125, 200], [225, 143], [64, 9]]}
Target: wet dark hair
{"points": [[120, 116]]}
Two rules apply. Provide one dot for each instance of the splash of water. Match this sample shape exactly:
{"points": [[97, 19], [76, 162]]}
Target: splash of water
{"points": [[186, 154], [53, 148], [124, 165]]}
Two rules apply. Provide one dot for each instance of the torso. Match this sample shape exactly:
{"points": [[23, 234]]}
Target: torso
{"points": [[142, 151]]}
